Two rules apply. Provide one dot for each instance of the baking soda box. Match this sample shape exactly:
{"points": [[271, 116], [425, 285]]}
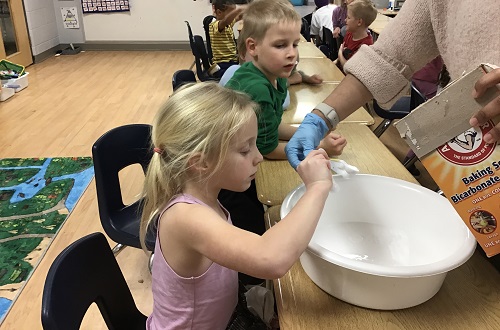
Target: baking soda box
{"points": [[465, 168]]}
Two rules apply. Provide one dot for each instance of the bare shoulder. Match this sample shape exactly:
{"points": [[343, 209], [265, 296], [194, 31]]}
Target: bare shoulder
{"points": [[187, 219]]}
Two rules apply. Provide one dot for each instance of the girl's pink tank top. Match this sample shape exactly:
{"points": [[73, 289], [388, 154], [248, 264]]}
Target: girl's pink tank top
{"points": [[203, 302]]}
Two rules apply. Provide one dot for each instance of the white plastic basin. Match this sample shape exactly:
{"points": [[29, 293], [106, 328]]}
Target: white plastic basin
{"points": [[383, 243]]}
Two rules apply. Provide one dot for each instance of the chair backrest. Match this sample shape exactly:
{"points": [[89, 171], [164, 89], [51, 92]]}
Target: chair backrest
{"points": [[416, 98], [181, 77], [325, 50], [400, 109], [202, 51], [331, 42], [86, 272], [206, 23], [113, 151], [305, 29], [191, 38], [202, 62]]}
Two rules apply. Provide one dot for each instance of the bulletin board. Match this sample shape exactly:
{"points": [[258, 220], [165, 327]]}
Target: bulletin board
{"points": [[104, 6]]}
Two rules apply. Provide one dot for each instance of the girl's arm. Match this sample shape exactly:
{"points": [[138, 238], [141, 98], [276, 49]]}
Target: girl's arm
{"points": [[271, 255]]}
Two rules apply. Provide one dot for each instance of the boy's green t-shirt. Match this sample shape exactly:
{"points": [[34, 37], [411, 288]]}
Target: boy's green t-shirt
{"points": [[253, 82]]}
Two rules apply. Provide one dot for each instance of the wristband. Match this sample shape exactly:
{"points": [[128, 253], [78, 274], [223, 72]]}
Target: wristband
{"points": [[329, 113]]}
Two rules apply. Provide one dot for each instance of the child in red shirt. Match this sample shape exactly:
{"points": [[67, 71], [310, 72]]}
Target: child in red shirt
{"points": [[360, 14]]}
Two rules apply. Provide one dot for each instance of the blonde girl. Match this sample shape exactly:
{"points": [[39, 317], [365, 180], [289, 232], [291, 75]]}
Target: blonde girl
{"points": [[204, 141]]}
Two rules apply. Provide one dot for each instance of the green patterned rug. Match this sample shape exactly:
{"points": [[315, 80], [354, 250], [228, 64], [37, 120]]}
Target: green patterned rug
{"points": [[36, 197]]}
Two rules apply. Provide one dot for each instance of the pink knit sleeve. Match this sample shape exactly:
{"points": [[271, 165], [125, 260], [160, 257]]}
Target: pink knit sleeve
{"points": [[406, 44]]}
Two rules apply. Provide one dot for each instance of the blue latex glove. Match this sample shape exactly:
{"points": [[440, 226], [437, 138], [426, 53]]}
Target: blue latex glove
{"points": [[306, 138]]}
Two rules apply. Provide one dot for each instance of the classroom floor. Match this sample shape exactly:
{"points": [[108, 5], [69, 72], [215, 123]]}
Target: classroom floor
{"points": [[69, 103]]}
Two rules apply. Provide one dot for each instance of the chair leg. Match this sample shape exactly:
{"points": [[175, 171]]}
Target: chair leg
{"points": [[118, 248], [410, 161], [192, 65], [382, 127]]}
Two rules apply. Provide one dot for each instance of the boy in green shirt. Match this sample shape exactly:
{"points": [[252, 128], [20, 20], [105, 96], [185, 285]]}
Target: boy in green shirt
{"points": [[272, 32]]}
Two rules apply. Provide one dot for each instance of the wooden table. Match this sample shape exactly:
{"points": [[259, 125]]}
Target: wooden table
{"points": [[388, 12], [468, 299], [308, 49], [321, 66], [303, 98], [379, 24], [276, 178]]}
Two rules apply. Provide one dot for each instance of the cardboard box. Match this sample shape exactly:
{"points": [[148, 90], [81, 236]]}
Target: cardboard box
{"points": [[465, 168]]}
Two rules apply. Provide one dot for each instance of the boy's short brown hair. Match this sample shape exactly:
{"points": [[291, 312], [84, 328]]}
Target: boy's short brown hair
{"points": [[260, 15], [364, 10]]}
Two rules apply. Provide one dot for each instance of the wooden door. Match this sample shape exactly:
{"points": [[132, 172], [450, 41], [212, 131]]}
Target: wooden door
{"points": [[14, 41]]}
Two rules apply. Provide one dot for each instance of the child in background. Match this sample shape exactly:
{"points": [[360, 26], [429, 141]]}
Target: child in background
{"points": [[296, 77], [360, 14], [204, 141], [222, 35], [322, 17], [338, 19]]}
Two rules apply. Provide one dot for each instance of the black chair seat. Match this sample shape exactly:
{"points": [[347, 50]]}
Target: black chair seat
{"points": [[128, 230], [181, 77]]}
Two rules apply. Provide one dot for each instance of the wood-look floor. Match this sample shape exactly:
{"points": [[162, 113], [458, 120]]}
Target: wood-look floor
{"points": [[69, 103]]}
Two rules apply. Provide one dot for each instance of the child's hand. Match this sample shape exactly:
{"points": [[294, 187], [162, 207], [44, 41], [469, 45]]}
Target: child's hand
{"points": [[333, 144], [315, 169], [313, 80], [336, 32]]}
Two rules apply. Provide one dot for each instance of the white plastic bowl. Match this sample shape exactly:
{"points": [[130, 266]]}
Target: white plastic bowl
{"points": [[383, 243]]}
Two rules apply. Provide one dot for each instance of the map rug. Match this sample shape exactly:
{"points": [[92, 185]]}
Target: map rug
{"points": [[36, 197]]}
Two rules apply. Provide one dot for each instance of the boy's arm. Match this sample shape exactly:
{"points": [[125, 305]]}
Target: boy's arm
{"points": [[285, 132], [278, 153], [234, 14]]}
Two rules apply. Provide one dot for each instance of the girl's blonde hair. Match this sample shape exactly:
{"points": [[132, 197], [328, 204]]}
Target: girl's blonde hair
{"points": [[198, 119], [261, 15]]}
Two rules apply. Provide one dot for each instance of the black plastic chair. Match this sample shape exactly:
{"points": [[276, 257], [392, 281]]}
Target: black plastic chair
{"points": [[325, 50], [305, 29], [331, 43], [206, 26], [113, 151], [86, 272], [201, 60], [203, 63], [400, 109], [181, 77], [191, 42]]}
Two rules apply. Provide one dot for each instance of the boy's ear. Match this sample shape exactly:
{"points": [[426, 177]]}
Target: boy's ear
{"points": [[360, 22], [251, 44]]}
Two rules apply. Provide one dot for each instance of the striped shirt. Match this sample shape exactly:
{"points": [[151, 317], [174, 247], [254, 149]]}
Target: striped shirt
{"points": [[223, 45]]}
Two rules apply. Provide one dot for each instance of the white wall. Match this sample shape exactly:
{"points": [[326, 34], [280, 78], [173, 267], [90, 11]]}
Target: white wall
{"points": [[148, 20], [42, 28]]}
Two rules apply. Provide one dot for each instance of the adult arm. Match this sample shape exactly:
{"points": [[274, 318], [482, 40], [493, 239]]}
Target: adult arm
{"points": [[382, 71]]}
